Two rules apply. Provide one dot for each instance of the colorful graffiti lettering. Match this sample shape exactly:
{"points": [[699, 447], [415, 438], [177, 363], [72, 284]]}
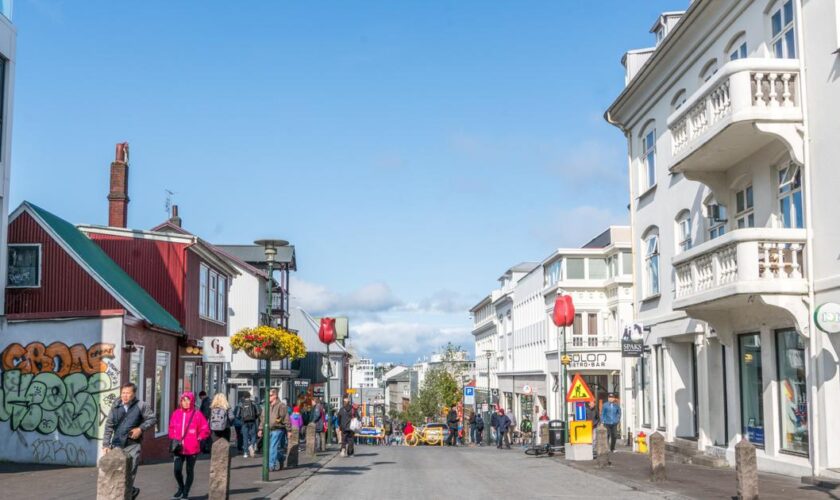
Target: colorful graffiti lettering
{"points": [[37, 358], [51, 451], [55, 388]]}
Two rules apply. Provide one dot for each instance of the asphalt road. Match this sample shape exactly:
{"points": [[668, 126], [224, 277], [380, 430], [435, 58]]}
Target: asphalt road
{"points": [[398, 472]]}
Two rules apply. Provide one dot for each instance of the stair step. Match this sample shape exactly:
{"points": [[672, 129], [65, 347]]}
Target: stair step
{"points": [[688, 449], [822, 482], [710, 461]]}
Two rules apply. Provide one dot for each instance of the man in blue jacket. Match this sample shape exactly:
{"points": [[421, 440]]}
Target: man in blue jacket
{"points": [[611, 418]]}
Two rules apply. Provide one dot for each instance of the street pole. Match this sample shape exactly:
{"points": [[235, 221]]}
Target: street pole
{"points": [[327, 397], [266, 406], [563, 404], [489, 402]]}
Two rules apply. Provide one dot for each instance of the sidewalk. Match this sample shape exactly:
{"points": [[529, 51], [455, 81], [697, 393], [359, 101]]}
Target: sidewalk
{"points": [[696, 481], [156, 481]]}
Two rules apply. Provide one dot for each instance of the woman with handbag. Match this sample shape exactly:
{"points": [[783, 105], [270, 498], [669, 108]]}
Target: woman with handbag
{"points": [[187, 428]]}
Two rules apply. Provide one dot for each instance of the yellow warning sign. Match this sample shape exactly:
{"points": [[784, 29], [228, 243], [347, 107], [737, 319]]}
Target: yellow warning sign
{"points": [[579, 392], [580, 432]]}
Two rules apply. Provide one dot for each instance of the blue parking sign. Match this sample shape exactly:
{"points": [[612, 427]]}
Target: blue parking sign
{"points": [[469, 392]]}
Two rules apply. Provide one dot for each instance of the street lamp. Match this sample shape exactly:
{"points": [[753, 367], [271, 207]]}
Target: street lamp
{"points": [[489, 354], [270, 247]]}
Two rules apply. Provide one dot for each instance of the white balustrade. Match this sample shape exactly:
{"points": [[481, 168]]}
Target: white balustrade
{"points": [[770, 258]]}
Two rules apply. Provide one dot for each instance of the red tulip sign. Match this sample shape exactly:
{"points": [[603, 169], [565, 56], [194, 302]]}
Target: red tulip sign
{"points": [[564, 311], [327, 331]]}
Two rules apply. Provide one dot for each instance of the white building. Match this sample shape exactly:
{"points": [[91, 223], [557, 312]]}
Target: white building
{"points": [[731, 122], [362, 373], [8, 49]]}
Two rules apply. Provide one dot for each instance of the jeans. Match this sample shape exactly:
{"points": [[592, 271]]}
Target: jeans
{"points": [[452, 437], [473, 433], [319, 441], [249, 434], [239, 440], [276, 455], [500, 437], [179, 466], [347, 441], [612, 434]]}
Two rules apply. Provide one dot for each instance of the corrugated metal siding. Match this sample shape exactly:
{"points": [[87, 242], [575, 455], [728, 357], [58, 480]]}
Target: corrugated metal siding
{"points": [[193, 324], [157, 266], [65, 286]]}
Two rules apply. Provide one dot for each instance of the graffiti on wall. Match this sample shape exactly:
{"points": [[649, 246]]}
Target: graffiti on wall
{"points": [[58, 388]]}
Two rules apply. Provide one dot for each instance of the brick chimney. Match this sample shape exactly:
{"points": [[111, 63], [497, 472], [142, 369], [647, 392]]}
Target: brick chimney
{"points": [[118, 197], [175, 219]]}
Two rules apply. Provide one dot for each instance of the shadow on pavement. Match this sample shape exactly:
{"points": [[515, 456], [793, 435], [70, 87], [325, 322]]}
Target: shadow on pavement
{"points": [[343, 471], [383, 463], [365, 454]]}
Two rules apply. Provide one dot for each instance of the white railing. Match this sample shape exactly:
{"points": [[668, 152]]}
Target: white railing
{"points": [[751, 86], [593, 342], [757, 257]]}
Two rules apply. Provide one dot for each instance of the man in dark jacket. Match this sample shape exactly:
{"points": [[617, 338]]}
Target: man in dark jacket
{"points": [[479, 429], [345, 416], [124, 428], [452, 421], [204, 408], [473, 429], [502, 427]]}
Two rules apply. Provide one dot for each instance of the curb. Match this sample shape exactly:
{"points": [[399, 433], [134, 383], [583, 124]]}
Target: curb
{"points": [[645, 487], [284, 490]]}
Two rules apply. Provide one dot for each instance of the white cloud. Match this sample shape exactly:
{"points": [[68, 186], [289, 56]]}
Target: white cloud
{"points": [[318, 299], [383, 339], [442, 301]]}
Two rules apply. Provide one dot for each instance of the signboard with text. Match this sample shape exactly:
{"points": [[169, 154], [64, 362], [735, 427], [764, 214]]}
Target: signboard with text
{"points": [[217, 350]]}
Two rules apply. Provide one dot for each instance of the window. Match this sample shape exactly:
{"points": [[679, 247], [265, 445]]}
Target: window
{"points": [[678, 100], [783, 41], [790, 197], [740, 52], [626, 263], [684, 231], [793, 391], [648, 174], [212, 294], [752, 388], [577, 330], [744, 215], [575, 269], [660, 387], [24, 266], [202, 290], [716, 216], [189, 381], [162, 393], [709, 70], [652, 265], [135, 370], [597, 269], [592, 333], [552, 272]]}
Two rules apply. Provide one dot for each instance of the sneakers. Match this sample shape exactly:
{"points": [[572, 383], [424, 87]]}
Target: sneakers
{"points": [[343, 453], [245, 455], [179, 494]]}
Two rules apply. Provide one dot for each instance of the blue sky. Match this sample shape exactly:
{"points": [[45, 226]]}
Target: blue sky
{"points": [[411, 150]]}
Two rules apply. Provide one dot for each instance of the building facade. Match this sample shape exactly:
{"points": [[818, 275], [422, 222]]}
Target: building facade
{"points": [[8, 52], [729, 121]]}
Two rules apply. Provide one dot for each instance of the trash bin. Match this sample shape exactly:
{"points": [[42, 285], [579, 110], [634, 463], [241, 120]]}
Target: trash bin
{"points": [[556, 433]]}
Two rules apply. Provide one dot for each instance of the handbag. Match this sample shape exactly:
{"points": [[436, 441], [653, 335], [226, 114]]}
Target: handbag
{"points": [[177, 445], [355, 424]]}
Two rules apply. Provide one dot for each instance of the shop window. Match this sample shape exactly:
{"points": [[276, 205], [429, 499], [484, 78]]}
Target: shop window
{"points": [[752, 388], [793, 391], [162, 384], [135, 370]]}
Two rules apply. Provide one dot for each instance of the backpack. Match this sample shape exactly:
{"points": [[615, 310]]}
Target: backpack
{"points": [[219, 419], [247, 411], [525, 426], [479, 422]]}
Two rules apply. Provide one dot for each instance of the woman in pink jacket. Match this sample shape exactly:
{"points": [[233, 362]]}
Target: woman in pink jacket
{"points": [[188, 425]]}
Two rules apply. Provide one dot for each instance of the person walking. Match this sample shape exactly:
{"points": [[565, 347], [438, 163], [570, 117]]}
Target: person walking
{"points": [[188, 426], [221, 418], [479, 429], [203, 405], [611, 418], [503, 425], [319, 419], [592, 413], [278, 426], [388, 430], [452, 420], [345, 417], [494, 424], [237, 426], [124, 428], [473, 429], [248, 412], [296, 419]]}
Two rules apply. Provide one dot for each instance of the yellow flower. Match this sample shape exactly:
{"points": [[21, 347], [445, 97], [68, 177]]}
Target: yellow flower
{"points": [[285, 343]]}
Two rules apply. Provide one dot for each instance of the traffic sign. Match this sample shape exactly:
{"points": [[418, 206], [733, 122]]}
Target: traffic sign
{"points": [[351, 391], [526, 389], [580, 432], [469, 395], [579, 392], [580, 411]]}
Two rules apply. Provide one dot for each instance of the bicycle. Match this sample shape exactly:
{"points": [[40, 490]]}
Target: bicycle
{"points": [[543, 449]]}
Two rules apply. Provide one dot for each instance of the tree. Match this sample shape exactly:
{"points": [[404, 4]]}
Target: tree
{"points": [[440, 390]]}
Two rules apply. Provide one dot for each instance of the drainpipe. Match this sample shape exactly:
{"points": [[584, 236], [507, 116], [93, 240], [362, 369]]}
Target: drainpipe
{"points": [[814, 343]]}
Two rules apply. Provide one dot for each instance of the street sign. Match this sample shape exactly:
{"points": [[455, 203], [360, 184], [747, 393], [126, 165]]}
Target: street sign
{"points": [[526, 389], [580, 432], [580, 411], [469, 395], [301, 383], [351, 391], [579, 392], [237, 381]]}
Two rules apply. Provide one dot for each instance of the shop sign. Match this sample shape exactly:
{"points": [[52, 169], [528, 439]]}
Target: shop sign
{"points": [[237, 381], [594, 361], [632, 341], [301, 383], [827, 317], [217, 350]]}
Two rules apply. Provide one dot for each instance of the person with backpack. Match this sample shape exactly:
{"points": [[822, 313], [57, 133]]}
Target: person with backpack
{"points": [[124, 428], [187, 429], [525, 428], [248, 412], [479, 429], [221, 417]]}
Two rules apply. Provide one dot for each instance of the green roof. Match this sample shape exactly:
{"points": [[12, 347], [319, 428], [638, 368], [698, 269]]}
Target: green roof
{"points": [[107, 272]]}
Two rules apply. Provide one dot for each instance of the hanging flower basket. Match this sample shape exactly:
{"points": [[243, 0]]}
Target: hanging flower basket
{"points": [[269, 343]]}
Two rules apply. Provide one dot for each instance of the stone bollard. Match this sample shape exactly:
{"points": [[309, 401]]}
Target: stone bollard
{"points": [[602, 448], [112, 483], [746, 468], [219, 470], [294, 448], [657, 457], [310, 440]]}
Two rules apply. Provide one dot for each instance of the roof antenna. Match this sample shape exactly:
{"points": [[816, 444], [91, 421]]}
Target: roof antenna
{"points": [[168, 205]]}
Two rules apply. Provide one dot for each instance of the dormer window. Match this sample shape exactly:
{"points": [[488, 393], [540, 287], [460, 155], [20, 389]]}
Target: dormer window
{"points": [[24, 266]]}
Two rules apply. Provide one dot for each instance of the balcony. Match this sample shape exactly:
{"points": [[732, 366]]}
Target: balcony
{"points": [[745, 106], [756, 261], [593, 343]]}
